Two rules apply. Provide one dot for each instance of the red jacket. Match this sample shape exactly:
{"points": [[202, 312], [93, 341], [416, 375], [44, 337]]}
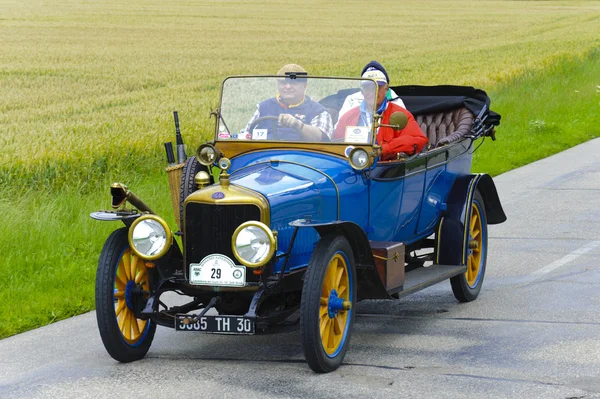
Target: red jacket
{"points": [[391, 141]]}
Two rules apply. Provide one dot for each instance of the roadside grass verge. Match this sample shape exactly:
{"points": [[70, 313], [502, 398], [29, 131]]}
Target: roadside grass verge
{"points": [[51, 249], [543, 113]]}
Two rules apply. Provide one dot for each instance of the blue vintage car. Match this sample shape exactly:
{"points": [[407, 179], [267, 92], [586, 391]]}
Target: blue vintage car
{"points": [[281, 231]]}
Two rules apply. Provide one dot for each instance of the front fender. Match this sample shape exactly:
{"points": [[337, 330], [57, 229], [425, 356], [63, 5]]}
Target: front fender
{"points": [[369, 284]]}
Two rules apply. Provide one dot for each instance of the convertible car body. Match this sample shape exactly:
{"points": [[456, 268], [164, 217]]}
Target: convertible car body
{"points": [[279, 233]]}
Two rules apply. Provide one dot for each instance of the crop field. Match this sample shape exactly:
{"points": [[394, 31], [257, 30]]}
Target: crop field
{"points": [[88, 89]]}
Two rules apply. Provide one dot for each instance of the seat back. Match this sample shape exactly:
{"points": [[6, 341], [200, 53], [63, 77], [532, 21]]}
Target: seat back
{"points": [[446, 127]]}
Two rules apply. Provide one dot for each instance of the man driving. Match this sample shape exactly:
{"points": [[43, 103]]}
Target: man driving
{"points": [[298, 117], [409, 140]]}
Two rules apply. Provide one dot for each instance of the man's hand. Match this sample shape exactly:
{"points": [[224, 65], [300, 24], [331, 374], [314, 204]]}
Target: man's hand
{"points": [[288, 120]]}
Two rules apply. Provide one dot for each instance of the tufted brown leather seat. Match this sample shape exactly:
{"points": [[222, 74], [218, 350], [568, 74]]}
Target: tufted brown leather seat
{"points": [[447, 127]]}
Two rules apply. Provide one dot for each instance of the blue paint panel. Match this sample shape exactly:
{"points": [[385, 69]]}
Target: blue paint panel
{"points": [[438, 183], [297, 192], [386, 202], [411, 205], [406, 208]]}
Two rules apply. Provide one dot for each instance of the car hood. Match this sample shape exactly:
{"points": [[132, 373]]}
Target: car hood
{"points": [[293, 191], [298, 184]]}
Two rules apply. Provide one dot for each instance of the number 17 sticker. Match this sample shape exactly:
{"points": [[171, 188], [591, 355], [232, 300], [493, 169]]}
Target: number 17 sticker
{"points": [[259, 134]]}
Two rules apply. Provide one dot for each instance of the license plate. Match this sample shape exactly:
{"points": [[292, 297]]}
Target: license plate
{"points": [[216, 324], [217, 270]]}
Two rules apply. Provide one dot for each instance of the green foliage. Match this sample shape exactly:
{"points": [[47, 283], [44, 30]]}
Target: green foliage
{"points": [[51, 249], [543, 113], [88, 90]]}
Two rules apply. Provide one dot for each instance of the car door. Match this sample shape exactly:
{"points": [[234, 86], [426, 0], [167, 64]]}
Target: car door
{"points": [[395, 198]]}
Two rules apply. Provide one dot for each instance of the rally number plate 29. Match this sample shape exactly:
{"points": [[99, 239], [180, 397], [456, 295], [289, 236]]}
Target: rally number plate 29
{"points": [[217, 270], [216, 324]]}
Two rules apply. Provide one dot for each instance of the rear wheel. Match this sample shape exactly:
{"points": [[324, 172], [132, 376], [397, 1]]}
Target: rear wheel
{"points": [[466, 286], [328, 294], [122, 284]]}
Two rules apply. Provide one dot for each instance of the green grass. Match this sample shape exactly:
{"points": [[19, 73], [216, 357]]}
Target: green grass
{"points": [[543, 113], [88, 90]]}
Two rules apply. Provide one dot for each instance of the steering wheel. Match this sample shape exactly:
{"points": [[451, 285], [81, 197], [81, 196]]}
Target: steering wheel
{"points": [[262, 119]]}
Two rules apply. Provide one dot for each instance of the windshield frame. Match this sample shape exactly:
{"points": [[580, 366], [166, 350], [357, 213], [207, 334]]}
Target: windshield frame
{"points": [[374, 123]]}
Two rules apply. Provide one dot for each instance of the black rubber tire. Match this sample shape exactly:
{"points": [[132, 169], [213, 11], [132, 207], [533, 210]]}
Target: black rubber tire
{"points": [[314, 352], [110, 333], [464, 292], [188, 185]]}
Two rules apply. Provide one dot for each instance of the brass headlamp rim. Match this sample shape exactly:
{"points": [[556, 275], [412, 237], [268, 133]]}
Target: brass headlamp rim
{"points": [[207, 162], [168, 233], [356, 167], [272, 242]]}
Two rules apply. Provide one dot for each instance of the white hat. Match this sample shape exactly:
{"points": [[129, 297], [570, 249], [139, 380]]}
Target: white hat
{"points": [[377, 75]]}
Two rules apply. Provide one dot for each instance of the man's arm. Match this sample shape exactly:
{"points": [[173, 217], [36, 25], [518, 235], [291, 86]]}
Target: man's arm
{"points": [[320, 125], [407, 140], [324, 124]]}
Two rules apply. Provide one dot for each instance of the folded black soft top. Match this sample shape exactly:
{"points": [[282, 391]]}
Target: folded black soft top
{"points": [[421, 100]]}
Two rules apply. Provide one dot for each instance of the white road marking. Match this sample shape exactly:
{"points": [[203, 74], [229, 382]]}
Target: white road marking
{"points": [[560, 262]]}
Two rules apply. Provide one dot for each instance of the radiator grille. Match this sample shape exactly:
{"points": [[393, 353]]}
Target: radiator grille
{"points": [[209, 228]]}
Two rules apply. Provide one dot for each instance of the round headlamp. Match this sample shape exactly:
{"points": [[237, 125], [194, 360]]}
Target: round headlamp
{"points": [[359, 158], [253, 244], [207, 154], [150, 237]]}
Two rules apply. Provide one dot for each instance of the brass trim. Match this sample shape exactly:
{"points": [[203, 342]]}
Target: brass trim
{"points": [[202, 179], [232, 149], [275, 161], [270, 235], [207, 162], [232, 195], [124, 194], [168, 233], [355, 167], [217, 111], [224, 164]]}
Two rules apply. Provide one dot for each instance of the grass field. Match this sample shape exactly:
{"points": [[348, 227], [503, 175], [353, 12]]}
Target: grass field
{"points": [[88, 89]]}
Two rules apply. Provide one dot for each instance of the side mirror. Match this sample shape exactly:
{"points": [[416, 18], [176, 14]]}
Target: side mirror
{"points": [[398, 121]]}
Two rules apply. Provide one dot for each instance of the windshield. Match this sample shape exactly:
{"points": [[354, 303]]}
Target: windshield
{"points": [[297, 109]]}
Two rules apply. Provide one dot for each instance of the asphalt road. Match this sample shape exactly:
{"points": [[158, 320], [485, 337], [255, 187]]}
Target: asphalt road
{"points": [[532, 333]]}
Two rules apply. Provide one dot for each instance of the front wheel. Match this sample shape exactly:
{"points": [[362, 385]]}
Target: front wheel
{"points": [[466, 286], [122, 286], [328, 295]]}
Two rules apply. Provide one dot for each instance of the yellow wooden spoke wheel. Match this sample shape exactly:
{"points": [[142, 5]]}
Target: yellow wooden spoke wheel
{"points": [[131, 277], [475, 246], [122, 288], [466, 286], [334, 301], [328, 294]]}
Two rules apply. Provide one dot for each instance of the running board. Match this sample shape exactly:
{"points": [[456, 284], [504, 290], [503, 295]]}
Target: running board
{"points": [[423, 277]]}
